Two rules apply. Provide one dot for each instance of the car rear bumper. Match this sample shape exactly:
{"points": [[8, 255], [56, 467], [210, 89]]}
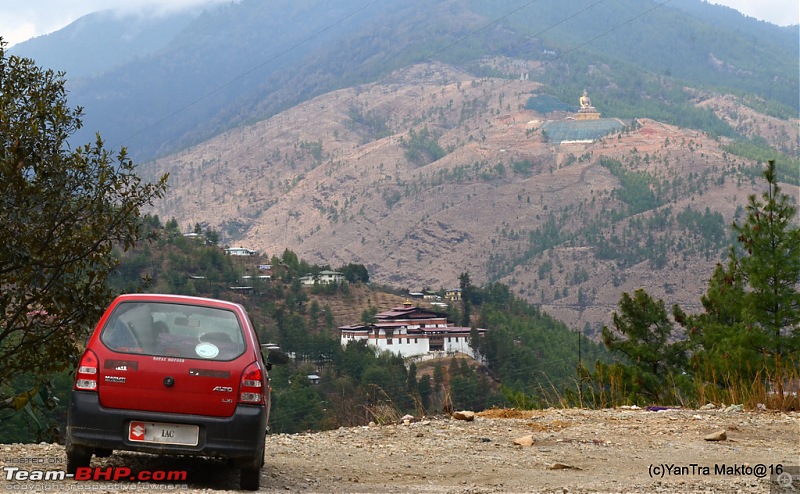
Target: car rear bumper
{"points": [[239, 437]]}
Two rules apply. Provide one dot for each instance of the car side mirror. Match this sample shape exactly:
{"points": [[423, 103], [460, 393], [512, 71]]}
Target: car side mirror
{"points": [[273, 355]]}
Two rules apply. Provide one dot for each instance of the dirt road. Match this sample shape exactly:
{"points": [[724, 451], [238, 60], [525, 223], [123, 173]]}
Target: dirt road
{"points": [[572, 451]]}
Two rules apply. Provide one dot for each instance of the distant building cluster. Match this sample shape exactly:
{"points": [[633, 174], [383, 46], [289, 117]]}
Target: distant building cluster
{"points": [[433, 298], [407, 330]]}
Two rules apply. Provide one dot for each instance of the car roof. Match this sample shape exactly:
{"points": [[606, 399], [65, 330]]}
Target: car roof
{"points": [[183, 299]]}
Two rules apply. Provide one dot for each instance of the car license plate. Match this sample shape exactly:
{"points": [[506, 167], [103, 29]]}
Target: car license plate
{"points": [[161, 433]]}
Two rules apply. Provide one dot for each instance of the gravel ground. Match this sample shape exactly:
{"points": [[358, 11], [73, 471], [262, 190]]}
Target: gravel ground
{"points": [[572, 451]]}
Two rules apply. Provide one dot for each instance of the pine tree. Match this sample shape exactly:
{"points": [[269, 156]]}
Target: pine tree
{"points": [[466, 298], [411, 380], [771, 266], [722, 344], [644, 335], [750, 326]]}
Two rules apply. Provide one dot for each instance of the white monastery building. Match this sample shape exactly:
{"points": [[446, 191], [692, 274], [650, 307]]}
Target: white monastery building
{"points": [[409, 331]]}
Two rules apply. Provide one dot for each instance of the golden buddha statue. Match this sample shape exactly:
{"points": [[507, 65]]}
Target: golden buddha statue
{"points": [[585, 101], [587, 111]]}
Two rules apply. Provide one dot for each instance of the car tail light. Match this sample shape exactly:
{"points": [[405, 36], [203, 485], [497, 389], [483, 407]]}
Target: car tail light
{"points": [[251, 387], [86, 377]]}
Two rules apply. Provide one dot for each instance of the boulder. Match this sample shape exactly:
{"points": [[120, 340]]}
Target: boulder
{"points": [[524, 441], [464, 415], [720, 435]]}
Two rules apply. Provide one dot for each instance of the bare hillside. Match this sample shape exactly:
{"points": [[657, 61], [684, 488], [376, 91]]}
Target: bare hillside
{"points": [[434, 172], [347, 309]]}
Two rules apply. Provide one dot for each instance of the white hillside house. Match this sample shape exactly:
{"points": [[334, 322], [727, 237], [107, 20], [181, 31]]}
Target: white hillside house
{"points": [[323, 278], [240, 251]]}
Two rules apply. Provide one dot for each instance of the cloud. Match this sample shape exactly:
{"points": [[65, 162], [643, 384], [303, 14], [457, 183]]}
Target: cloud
{"points": [[20, 32], [780, 12], [23, 20]]}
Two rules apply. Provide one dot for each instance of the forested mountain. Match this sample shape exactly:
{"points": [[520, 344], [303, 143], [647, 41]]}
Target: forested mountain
{"points": [[471, 182], [249, 60], [407, 136]]}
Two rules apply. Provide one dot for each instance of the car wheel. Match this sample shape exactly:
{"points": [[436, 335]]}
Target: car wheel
{"points": [[250, 479], [77, 457], [250, 474]]}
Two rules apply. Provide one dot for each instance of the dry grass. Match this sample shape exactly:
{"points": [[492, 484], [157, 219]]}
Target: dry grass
{"points": [[382, 409], [777, 389], [506, 413], [555, 425]]}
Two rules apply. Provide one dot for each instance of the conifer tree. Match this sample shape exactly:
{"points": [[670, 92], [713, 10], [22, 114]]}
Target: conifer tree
{"points": [[751, 317], [770, 266], [645, 336], [466, 298]]}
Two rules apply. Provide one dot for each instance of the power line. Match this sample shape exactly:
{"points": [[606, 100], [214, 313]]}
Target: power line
{"points": [[428, 57], [314, 115]]}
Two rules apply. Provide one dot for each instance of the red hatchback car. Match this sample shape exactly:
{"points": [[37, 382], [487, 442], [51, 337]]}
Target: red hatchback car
{"points": [[174, 375]]}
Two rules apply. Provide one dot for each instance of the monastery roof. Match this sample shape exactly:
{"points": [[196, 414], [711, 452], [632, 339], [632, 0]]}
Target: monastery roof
{"points": [[450, 329], [408, 312], [353, 327]]}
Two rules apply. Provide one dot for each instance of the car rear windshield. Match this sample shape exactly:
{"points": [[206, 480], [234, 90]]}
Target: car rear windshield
{"points": [[174, 330]]}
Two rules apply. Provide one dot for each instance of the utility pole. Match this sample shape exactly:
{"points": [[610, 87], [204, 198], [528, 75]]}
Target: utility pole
{"points": [[580, 366]]}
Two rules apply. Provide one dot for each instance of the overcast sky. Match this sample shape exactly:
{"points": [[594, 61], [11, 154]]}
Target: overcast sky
{"points": [[24, 19]]}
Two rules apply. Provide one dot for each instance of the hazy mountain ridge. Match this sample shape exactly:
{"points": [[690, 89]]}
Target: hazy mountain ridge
{"points": [[247, 61], [101, 41]]}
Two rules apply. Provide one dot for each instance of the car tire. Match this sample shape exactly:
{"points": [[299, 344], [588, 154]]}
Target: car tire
{"points": [[250, 474], [250, 479], [77, 457]]}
